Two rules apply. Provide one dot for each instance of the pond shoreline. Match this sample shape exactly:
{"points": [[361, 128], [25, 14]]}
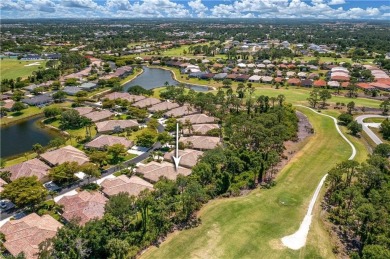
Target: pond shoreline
{"points": [[179, 81]]}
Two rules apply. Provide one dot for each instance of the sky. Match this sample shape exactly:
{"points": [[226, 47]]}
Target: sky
{"points": [[317, 9]]}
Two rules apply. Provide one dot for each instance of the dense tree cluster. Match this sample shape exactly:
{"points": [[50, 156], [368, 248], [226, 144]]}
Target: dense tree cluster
{"points": [[358, 202]]}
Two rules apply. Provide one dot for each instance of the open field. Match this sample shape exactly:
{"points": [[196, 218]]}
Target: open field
{"points": [[13, 68], [248, 227]]}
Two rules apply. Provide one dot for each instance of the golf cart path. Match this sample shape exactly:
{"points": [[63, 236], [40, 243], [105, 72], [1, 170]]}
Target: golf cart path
{"points": [[298, 239], [367, 130]]}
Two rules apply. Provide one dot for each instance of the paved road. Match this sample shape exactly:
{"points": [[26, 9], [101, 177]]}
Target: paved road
{"points": [[367, 130]]}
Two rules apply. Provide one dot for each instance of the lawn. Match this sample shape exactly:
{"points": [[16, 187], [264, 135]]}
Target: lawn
{"points": [[26, 113], [373, 120], [252, 226], [13, 68]]}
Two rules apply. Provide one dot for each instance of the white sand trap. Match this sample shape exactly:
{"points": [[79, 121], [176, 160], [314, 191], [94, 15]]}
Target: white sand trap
{"points": [[298, 239], [33, 64]]}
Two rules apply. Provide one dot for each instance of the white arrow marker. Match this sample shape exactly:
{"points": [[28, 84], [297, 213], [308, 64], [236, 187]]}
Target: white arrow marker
{"points": [[176, 158]]}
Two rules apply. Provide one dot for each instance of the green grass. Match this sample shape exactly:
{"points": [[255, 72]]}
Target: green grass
{"points": [[373, 120], [13, 68], [252, 226], [13, 117]]}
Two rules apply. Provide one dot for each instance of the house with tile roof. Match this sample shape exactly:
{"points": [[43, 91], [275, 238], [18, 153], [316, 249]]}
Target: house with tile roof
{"points": [[200, 129], [147, 102], [32, 167], [99, 115], [163, 106], [83, 206], [181, 111], [125, 96], [133, 185], [104, 141], [24, 235], [189, 157], [201, 142], [153, 171], [109, 126], [84, 110], [198, 119], [64, 154]]}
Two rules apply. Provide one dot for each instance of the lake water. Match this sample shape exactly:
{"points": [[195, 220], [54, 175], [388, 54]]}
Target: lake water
{"points": [[156, 77], [20, 137]]}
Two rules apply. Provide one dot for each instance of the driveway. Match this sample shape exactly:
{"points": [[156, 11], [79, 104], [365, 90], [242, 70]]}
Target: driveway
{"points": [[366, 128]]}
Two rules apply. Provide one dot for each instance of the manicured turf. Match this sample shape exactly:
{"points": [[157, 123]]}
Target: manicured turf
{"points": [[26, 113], [252, 226], [13, 68], [373, 120]]}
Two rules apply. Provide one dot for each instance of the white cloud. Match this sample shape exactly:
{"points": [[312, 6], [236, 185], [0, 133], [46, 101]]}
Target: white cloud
{"points": [[87, 4], [336, 2], [197, 6], [44, 5], [326, 9], [118, 4]]}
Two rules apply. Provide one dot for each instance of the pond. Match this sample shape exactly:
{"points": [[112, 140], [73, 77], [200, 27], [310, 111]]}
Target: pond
{"points": [[19, 138], [156, 77]]}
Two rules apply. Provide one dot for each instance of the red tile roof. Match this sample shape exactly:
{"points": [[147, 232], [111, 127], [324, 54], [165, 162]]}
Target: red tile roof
{"points": [[153, 171], [25, 234], [33, 167], [83, 206], [319, 83], [133, 185]]}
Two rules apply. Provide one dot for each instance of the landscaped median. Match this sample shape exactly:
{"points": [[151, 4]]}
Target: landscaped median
{"points": [[248, 227]]}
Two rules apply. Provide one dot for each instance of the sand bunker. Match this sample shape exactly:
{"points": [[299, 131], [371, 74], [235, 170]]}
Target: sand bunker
{"points": [[33, 64]]}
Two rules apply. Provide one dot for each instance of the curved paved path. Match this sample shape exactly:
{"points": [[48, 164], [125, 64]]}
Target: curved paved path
{"points": [[298, 239], [367, 130]]}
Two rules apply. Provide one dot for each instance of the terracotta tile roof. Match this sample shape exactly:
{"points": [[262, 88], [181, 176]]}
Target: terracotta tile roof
{"points": [[153, 171], [83, 206], [189, 157], [33, 167], [201, 129], [2, 183], [279, 80], [99, 115], [365, 86], [163, 106], [8, 104], [126, 96], [84, 110], [381, 86], [340, 78], [319, 83], [109, 125], [65, 154], [181, 111], [201, 142], [294, 81], [133, 185], [146, 102], [108, 140], [198, 119], [25, 234]]}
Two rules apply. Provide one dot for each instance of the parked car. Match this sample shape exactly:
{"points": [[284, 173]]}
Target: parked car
{"points": [[6, 205], [52, 187]]}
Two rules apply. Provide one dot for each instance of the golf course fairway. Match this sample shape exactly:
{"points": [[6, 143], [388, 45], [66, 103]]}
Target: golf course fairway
{"points": [[251, 226]]}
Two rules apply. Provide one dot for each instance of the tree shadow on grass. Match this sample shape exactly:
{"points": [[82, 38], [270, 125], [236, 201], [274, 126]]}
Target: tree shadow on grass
{"points": [[16, 114]]}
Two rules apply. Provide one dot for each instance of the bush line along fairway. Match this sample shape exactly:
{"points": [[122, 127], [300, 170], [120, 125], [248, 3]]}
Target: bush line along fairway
{"points": [[249, 227]]}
